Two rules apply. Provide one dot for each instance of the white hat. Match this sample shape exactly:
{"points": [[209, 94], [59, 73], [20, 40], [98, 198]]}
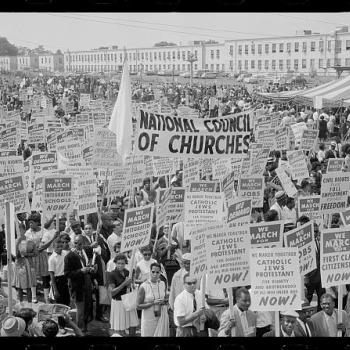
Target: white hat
{"points": [[280, 194], [13, 327], [290, 313], [186, 256]]}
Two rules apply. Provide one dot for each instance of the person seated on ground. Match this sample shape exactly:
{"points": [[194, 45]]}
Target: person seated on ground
{"points": [[33, 329], [50, 328], [13, 326]]}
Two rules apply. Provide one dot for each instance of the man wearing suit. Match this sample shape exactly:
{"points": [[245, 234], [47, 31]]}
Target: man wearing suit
{"points": [[78, 273], [243, 323], [287, 325], [327, 322], [303, 326]]}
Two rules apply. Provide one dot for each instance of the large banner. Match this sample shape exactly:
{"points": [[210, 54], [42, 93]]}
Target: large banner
{"points": [[13, 189], [267, 234], [275, 279], [227, 252], [252, 188], [137, 228], [334, 192], [173, 136], [335, 257], [57, 194], [303, 238]]}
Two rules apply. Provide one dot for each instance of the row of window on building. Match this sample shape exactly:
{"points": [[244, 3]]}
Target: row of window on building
{"points": [[296, 64], [151, 67], [296, 47]]}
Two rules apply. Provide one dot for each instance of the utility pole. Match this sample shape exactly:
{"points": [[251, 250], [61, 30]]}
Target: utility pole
{"points": [[191, 59]]}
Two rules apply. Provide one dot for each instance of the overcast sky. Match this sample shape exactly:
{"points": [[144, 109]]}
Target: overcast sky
{"points": [[84, 31]]}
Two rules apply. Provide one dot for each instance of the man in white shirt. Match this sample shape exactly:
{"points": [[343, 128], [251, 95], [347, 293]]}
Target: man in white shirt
{"points": [[59, 282], [280, 203], [115, 236], [188, 309]]}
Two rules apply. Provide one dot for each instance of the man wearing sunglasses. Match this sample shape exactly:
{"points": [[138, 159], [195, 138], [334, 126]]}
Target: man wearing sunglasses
{"points": [[188, 309]]}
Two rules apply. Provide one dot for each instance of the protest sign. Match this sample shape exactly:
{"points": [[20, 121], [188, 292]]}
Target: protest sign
{"points": [[84, 100], [69, 153], [117, 186], [204, 186], [266, 137], [37, 194], [263, 122], [252, 188], [27, 174], [134, 169], [334, 192], [202, 207], [175, 206], [36, 133], [308, 139], [227, 186], [310, 206], [163, 166], [258, 161], [10, 164], [41, 159], [302, 237], [105, 149], [12, 189], [227, 252], [335, 257], [221, 168], [298, 130], [281, 138], [238, 213], [245, 166], [236, 165], [286, 183], [87, 195], [137, 228], [190, 171], [162, 206], [275, 279], [206, 167], [169, 136], [298, 165], [57, 194], [198, 265], [345, 217], [12, 136], [267, 234], [335, 165]]}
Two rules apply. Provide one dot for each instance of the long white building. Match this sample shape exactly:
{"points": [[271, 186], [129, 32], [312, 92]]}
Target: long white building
{"points": [[305, 53]]}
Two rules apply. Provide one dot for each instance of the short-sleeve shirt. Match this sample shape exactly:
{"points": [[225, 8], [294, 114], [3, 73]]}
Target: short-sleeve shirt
{"points": [[116, 278]]}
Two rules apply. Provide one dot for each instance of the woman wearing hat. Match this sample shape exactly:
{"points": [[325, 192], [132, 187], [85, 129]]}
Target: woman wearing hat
{"points": [[13, 327], [40, 259]]}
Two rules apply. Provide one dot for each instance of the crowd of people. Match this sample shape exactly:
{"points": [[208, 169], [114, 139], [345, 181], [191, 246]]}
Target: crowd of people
{"points": [[77, 260]]}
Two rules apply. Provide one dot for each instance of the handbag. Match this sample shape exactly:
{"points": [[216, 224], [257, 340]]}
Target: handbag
{"points": [[104, 295], [129, 300]]}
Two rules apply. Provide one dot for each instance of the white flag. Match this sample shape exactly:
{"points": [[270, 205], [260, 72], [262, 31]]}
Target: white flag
{"points": [[121, 121]]}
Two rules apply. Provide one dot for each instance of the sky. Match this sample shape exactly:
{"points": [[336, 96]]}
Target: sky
{"points": [[85, 31]]}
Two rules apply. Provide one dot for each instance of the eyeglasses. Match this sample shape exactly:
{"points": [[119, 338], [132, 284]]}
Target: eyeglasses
{"points": [[155, 272], [147, 254], [191, 283]]}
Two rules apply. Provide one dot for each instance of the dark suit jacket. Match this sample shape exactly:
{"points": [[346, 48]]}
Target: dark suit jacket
{"points": [[72, 270], [299, 330]]}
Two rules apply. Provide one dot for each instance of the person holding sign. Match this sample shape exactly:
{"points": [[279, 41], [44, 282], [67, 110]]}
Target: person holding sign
{"points": [[151, 296], [287, 326], [243, 321], [326, 322], [119, 281], [280, 203], [188, 309]]}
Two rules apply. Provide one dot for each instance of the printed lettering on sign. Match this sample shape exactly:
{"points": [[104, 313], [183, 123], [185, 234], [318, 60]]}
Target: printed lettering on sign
{"points": [[335, 257], [267, 234], [275, 279], [137, 228]]}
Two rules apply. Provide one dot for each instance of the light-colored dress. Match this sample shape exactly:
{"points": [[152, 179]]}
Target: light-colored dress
{"points": [[149, 321], [41, 260]]}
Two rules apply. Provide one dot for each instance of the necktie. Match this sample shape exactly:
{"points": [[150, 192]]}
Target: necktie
{"points": [[307, 330], [244, 323], [194, 304]]}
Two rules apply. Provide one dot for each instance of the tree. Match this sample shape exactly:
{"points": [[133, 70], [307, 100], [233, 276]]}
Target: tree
{"points": [[6, 48], [164, 43]]}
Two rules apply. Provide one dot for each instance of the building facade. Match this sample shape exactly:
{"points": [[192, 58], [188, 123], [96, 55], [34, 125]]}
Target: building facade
{"points": [[306, 52]]}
